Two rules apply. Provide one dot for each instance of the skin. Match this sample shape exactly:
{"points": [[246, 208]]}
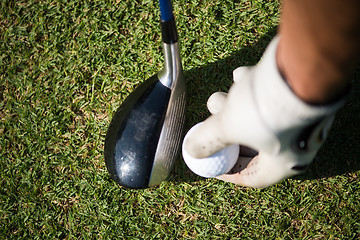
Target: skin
{"points": [[319, 47]]}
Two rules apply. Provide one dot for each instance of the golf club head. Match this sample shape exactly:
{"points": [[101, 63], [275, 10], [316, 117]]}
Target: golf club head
{"points": [[144, 136]]}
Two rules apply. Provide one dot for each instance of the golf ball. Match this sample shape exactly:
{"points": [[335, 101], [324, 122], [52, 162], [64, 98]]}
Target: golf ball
{"points": [[214, 165]]}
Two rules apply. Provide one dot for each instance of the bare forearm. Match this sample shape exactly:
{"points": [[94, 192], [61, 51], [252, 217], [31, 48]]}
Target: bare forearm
{"points": [[319, 47]]}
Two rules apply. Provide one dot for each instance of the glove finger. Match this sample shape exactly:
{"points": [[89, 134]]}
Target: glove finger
{"points": [[216, 102], [240, 73], [207, 139], [258, 172], [245, 173]]}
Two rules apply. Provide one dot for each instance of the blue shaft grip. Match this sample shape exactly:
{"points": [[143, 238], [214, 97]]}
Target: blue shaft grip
{"points": [[166, 13]]}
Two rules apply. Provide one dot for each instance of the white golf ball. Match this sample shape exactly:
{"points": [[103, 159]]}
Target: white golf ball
{"points": [[215, 165]]}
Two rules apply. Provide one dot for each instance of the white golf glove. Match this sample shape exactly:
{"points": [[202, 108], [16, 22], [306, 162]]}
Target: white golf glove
{"points": [[261, 112]]}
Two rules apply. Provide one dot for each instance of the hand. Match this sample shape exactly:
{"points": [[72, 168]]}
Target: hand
{"points": [[261, 112]]}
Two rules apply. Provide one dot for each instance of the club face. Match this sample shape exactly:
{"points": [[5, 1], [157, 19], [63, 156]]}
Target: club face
{"points": [[145, 134], [134, 132], [171, 134]]}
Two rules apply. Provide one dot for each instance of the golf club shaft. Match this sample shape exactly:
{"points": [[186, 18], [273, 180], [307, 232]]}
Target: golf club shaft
{"points": [[166, 13]]}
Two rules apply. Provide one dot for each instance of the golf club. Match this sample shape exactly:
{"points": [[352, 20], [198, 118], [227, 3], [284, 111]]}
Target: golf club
{"points": [[144, 136]]}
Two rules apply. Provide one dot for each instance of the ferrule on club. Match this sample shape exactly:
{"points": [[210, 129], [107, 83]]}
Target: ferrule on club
{"points": [[169, 31]]}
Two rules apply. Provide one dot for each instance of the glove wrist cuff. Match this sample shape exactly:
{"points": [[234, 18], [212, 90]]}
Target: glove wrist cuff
{"points": [[277, 103]]}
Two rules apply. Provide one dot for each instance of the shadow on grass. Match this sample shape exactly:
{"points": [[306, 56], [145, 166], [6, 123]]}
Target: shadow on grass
{"points": [[338, 155]]}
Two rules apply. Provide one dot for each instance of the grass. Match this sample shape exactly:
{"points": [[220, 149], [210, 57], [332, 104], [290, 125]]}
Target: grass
{"points": [[65, 67]]}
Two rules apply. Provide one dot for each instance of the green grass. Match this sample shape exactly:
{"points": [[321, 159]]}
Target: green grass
{"points": [[65, 67]]}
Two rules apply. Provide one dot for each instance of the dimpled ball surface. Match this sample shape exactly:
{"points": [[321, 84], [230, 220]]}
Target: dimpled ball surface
{"points": [[215, 165]]}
